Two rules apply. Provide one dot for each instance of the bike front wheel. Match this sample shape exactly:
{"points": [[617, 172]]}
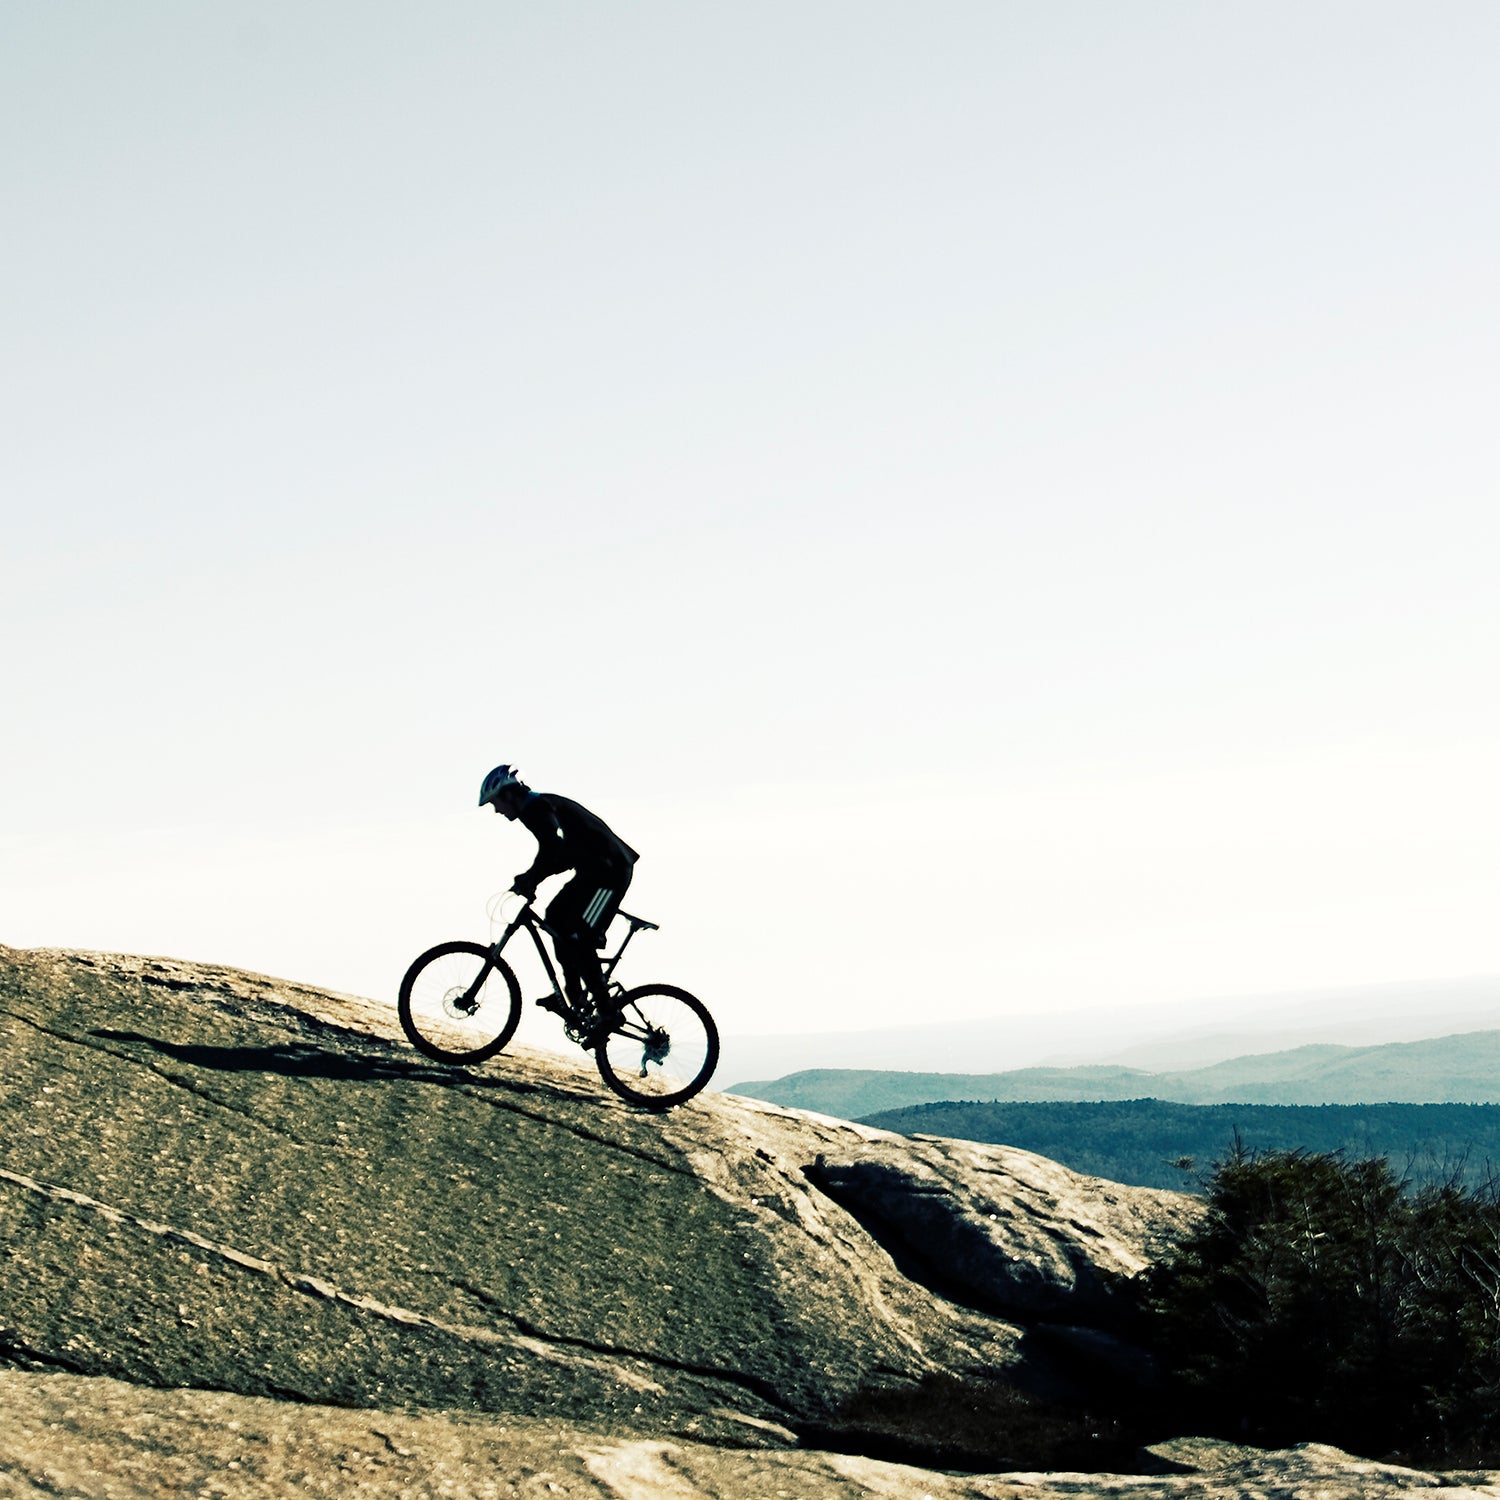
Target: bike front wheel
{"points": [[459, 1004], [661, 1048]]}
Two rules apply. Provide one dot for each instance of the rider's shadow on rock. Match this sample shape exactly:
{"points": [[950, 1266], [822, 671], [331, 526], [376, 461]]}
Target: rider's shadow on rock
{"points": [[292, 1060]]}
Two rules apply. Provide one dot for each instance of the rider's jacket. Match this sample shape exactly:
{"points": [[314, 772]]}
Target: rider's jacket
{"points": [[569, 837]]}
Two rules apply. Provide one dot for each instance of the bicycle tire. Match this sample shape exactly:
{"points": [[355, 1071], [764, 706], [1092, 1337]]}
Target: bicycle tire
{"points": [[431, 1018], [661, 1048]]}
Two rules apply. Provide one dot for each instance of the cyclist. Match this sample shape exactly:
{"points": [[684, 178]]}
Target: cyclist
{"points": [[569, 837]]}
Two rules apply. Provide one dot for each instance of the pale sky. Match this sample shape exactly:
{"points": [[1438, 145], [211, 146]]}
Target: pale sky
{"points": [[995, 501]]}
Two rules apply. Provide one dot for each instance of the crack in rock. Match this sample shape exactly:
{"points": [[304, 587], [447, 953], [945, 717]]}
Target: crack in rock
{"points": [[316, 1286], [661, 1163], [186, 1085], [764, 1389]]}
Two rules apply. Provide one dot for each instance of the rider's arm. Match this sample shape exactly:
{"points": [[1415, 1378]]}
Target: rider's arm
{"points": [[552, 851]]}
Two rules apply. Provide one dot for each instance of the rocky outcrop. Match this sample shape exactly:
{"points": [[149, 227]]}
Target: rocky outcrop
{"points": [[212, 1178], [999, 1230], [222, 1193], [69, 1435]]}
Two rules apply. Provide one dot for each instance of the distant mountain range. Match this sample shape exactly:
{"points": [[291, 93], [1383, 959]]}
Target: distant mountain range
{"points": [[1166, 1037], [1458, 1069], [1149, 1143]]}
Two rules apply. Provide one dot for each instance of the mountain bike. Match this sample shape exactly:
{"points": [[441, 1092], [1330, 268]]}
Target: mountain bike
{"points": [[655, 1046]]}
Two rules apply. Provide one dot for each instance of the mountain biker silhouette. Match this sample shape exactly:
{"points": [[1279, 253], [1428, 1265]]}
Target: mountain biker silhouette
{"points": [[569, 837]]}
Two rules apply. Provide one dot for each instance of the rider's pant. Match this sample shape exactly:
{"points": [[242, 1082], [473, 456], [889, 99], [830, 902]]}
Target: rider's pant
{"points": [[578, 915]]}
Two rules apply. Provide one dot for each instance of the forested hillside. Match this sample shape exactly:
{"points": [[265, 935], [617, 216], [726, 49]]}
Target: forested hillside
{"points": [[1156, 1143], [1460, 1069]]}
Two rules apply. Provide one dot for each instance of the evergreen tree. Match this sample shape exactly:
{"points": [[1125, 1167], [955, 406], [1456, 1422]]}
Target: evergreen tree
{"points": [[1322, 1300]]}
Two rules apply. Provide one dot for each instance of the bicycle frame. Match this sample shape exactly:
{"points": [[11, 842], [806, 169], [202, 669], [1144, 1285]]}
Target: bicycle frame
{"points": [[655, 1045], [526, 918]]}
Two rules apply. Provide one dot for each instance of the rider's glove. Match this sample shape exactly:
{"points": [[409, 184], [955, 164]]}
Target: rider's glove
{"points": [[524, 889]]}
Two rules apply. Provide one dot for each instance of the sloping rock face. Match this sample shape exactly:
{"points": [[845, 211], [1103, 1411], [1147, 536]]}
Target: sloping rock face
{"points": [[253, 1245], [214, 1179]]}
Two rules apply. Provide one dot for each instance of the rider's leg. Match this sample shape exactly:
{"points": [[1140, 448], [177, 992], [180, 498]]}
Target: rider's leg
{"points": [[571, 940], [578, 916]]}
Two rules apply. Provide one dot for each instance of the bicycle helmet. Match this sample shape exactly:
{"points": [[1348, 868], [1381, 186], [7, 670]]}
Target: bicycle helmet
{"points": [[497, 781]]}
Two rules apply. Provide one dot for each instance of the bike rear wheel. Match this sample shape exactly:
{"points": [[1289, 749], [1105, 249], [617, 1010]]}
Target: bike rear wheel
{"points": [[458, 1004], [661, 1048]]}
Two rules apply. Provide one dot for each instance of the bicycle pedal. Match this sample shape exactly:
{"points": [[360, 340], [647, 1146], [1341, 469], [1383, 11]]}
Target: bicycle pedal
{"points": [[583, 1030], [556, 1004], [597, 1027]]}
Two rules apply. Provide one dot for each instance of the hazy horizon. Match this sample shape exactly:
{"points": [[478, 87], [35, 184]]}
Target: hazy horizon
{"points": [[1153, 1038]]}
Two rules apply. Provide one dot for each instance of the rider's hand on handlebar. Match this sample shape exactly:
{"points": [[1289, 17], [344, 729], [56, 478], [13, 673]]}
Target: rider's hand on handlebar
{"points": [[524, 891]]}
